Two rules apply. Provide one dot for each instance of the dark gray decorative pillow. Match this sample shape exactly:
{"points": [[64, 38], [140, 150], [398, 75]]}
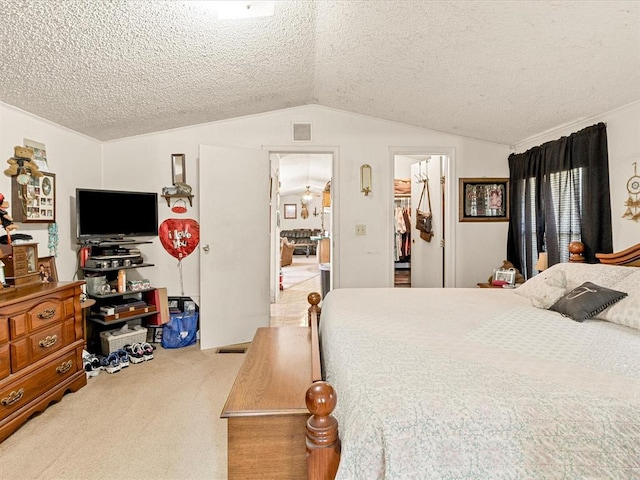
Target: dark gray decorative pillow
{"points": [[586, 301]]}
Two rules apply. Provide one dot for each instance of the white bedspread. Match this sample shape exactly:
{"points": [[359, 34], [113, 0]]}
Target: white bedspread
{"points": [[478, 384]]}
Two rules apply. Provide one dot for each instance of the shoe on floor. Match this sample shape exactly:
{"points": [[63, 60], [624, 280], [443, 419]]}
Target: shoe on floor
{"points": [[136, 354], [110, 363], [147, 350], [91, 365], [123, 357]]}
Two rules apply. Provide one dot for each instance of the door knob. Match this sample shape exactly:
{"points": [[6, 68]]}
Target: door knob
{"points": [[206, 248]]}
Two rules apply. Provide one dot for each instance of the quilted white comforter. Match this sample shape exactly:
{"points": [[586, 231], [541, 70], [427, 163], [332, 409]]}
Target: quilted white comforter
{"points": [[478, 384]]}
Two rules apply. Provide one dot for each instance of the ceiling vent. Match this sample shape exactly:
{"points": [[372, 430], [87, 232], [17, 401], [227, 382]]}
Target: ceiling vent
{"points": [[301, 132]]}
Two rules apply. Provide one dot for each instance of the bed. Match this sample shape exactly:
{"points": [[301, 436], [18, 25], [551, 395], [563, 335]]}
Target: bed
{"points": [[480, 383]]}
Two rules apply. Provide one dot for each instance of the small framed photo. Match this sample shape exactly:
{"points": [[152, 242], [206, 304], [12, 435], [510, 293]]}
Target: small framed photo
{"points": [[47, 269], [484, 199], [290, 211], [178, 168], [501, 276]]}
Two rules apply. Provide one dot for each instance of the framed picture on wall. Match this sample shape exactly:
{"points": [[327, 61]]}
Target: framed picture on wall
{"points": [[34, 201], [484, 199], [290, 211]]}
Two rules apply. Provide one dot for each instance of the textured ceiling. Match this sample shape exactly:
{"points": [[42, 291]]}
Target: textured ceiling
{"points": [[495, 70]]}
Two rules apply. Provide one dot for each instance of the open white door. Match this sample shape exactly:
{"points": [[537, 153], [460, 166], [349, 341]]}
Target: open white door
{"points": [[426, 257], [234, 242]]}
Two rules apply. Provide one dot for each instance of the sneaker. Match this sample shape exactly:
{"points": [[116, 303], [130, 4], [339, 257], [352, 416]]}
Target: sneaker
{"points": [[110, 363], [124, 358], [147, 350], [91, 365], [136, 354]]}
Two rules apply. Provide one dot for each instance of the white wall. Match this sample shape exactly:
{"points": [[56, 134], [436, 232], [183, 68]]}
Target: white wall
{"points": [[364, 260], [623, 139], [76, 161], [311, 221]]}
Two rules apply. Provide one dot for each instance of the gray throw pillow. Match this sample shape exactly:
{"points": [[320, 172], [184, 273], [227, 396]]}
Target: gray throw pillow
{"points": [[586, 301]]}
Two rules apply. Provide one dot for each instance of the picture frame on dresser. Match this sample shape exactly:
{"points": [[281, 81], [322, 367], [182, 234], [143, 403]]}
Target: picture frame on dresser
{"points": [[47, 269], [34, 201]]}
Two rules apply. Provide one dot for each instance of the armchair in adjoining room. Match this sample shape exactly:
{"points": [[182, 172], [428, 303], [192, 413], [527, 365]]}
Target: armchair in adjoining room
{"points": [[286, 252]]}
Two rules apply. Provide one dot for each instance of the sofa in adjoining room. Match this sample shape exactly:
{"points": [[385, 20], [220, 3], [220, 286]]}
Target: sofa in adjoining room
{"points": [[302, 238]]}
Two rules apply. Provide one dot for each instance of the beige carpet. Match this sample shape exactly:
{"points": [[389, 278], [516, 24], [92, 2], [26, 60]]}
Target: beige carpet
{"points": [[155, 420]]}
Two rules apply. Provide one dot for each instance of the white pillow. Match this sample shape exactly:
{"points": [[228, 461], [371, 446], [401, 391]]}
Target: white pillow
{"points": [[626, 311], [544, 289], [606, 276]]}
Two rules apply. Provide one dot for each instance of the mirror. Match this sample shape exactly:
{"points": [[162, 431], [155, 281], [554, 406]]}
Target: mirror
{"points": [[178, 168]]}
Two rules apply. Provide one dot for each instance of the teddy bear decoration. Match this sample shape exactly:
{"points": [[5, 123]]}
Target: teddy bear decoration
{"points": [[22, 165]]}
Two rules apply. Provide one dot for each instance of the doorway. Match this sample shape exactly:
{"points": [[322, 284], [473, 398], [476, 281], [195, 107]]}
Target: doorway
{"points": [[420, 183], [301, 232]]}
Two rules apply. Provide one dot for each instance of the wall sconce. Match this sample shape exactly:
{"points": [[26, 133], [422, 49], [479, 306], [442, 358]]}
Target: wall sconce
{"points": [[365, 179]]}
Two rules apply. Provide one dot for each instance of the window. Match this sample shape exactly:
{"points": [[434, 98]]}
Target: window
{"points": [[559, 193]]}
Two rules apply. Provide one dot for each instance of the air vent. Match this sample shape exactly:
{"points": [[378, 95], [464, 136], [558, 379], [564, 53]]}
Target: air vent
{"points": [[301, 132]]}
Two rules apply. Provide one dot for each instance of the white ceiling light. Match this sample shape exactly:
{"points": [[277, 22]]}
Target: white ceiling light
{"points": [[235, 9], [307, 194]]}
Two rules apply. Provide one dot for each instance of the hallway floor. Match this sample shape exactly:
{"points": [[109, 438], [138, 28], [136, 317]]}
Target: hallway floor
{"points": [[291, 309]]}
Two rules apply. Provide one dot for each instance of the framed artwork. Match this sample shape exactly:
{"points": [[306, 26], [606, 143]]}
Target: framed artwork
{"points": [[178, 168], [47, 269], [484, 199], [35, 201], [290, 211]]}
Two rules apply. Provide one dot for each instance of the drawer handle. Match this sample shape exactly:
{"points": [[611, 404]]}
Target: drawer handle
{"points": [[46, 314], [65, 367], [14, 397], [49, 341]]}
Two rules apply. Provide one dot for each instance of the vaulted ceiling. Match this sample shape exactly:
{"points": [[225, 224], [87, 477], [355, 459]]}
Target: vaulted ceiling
{"points": [[501, 71]]}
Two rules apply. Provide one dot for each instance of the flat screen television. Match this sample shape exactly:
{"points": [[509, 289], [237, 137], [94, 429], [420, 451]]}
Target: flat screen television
{"points": [[115, 214]]}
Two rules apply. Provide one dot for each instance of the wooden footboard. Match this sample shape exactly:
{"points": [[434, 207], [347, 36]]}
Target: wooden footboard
{"points": [[323, 442]]}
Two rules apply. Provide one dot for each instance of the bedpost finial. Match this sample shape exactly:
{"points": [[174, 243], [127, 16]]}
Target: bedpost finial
{"points": [[576, 249], [314, 298], [321, 399]]}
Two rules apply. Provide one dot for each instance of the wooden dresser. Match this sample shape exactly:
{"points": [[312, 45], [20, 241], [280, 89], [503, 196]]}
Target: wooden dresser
{"points": [[266, 409], [41, 342]]}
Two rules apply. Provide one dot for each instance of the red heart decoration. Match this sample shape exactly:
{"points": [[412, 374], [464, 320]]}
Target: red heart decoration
{"points": [[179, 236]]}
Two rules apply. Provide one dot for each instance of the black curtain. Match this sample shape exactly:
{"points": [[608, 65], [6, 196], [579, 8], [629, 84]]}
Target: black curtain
{"points": [[541, 176]]}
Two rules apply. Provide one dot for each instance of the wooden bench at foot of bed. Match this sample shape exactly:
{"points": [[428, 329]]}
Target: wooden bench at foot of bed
{"points": [[269, 406]]}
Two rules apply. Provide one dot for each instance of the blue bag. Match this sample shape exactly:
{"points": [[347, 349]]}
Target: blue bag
{"points": [[180, 331]]}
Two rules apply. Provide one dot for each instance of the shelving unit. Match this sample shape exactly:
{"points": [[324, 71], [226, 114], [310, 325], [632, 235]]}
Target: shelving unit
{"points": [[178, 195], [105, 254]]}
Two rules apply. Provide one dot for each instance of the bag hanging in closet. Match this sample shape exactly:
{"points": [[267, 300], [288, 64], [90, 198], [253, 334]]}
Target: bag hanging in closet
{"points": [[424, 220]]}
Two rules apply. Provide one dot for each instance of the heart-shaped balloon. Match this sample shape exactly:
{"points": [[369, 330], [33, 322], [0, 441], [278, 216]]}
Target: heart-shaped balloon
{"points": [[179, 236]]}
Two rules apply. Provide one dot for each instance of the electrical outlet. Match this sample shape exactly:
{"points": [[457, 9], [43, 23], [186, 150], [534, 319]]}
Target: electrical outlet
{"points": [[361, 229]]}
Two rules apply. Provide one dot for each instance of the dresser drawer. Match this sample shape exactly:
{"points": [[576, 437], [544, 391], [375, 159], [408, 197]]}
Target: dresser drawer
{"points": [[5, 363], [42, 314], [17, 394], [4, 331], [38, 345]]}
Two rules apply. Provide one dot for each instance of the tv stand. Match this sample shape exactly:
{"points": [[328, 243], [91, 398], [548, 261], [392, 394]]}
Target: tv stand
{"points": [[112, 255]]}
